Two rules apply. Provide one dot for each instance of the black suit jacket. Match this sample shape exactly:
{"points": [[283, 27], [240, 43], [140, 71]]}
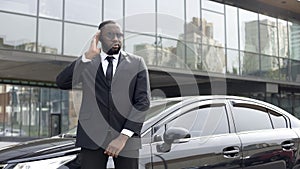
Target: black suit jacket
{"points": [[106, 110]]}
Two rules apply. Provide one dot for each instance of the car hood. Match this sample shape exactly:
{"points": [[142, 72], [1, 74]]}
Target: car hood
{"points": [[39, 149]]}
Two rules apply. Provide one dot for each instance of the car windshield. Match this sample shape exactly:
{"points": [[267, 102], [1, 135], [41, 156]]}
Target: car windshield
{"points": [[156, 107]]}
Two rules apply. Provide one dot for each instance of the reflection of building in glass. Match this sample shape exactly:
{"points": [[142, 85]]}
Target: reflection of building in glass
{"points": [[212, 57], [165, 56], [295, 41], [27, 46], [268, 46], [32, 47]]}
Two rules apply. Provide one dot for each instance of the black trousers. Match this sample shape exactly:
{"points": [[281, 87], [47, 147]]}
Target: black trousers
{"points": [[96, 159]]}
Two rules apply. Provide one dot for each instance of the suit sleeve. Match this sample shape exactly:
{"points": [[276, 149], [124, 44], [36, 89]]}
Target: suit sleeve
{"points": [[141, 100], [71, 75]]}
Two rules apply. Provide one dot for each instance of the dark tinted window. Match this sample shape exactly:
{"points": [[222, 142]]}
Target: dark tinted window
{"points": [[250, 117], [278, 120], [203, 121]]}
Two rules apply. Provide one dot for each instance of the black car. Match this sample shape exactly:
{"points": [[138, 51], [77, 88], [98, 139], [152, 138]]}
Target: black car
{"points": [[198, 132]]}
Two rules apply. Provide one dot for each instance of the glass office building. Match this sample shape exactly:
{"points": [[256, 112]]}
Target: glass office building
{"points": [[254, 52]]}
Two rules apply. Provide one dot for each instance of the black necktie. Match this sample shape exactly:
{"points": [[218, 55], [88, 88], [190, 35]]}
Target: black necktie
{"points": [[109, 70]]}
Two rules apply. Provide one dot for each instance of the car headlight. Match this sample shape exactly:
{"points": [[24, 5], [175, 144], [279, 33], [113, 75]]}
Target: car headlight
{"points": [[52, 163]]}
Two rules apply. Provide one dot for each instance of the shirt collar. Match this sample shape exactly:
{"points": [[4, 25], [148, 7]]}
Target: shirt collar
{"points": [[104, 55]]}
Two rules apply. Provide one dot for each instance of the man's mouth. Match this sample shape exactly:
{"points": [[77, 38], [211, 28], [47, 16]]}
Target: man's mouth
{"points": [[116, 46]]}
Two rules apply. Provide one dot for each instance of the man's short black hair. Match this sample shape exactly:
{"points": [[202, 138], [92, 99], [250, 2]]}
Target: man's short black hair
{"points": [[105, 23]]}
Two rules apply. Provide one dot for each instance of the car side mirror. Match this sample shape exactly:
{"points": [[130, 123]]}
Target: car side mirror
{"points": [[175, 133], [172, 135]]}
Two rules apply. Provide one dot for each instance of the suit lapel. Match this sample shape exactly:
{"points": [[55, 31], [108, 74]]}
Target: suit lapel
{"points": [[122, 61]]}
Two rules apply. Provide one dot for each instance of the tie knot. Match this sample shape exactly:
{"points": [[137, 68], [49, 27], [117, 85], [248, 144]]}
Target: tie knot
{"points": [[109, 59]]}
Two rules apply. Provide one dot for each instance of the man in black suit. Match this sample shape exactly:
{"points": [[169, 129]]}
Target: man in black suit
{"points": [[116, 94]]}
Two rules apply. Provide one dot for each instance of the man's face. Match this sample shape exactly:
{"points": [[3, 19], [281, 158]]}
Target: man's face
{"points": [[111, 38]]}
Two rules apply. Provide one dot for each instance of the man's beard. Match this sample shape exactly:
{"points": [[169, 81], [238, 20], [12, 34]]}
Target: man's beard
{"points": [[112, 51]]}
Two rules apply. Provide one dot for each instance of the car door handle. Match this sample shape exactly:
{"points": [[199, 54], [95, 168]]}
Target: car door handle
{"points": [[231, 152], [287, 145]]}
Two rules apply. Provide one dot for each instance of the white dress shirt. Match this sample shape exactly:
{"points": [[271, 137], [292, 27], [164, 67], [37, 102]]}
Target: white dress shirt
{"points": [[104, 62]]}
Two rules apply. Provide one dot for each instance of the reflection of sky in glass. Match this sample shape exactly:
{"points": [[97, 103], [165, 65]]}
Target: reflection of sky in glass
{"points": [[247, 17], [231, 27], [192, 9], [50, 34], [51, 8], [113, 10], [88, 11], [22, 6], [214, 6]]}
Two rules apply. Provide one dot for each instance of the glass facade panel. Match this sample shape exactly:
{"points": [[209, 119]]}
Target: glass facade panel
{"points": [[88, 11], [20, 6], [77, 38], [248, 23], [268, 38], [213, 59], [192, 11], [170, 19], [283, 38], [213, 29], [113, 10], [295, 68], [267, 19], [232, 37], [50, 36], [233, 63], [170, 53], [25, 111], [51, 8], [193, 56], [284, 69], [294, 40], [214, 6], [10, 35], [250, 63], [142, 45], [270, 67]]}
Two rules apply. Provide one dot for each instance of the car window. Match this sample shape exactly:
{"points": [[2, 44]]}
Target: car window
{"points": [[278, 120], [249, 117], [201, 121]]}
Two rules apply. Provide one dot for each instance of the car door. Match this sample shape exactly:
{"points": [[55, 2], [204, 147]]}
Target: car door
{"points": [[196, 136], [267, 140]]}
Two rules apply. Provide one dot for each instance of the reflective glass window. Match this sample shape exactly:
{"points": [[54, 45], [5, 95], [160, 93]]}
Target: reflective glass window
{"points": [[170, 53], [270, 67], [268, 38], [250, 117], [170, 18], [193, 56], [214, 6], [248, 23], [88, 11], [141, 45], [295, 69], [233, 63], [145, 13], [213, 59], [294, 40], [283, 38], [193, 21], [250, 63], [13, 36], [45, 112], [51, 8], [50, 36], [77, 38], [284, 69], [34, 116], [20, 6], [113, 10], [278, 120], [232, 38], [202, 121], [213, 29]]}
